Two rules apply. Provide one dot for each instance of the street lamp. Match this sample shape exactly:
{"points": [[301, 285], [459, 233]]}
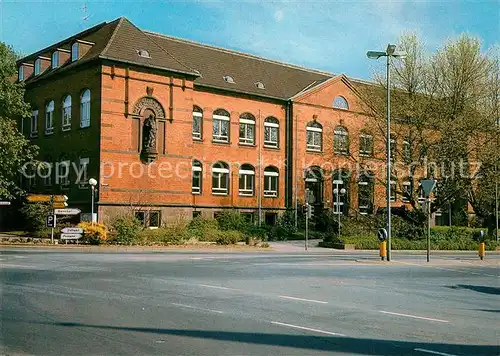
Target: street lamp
{"points": [[389, 52], [92, 183], [338, 192]]}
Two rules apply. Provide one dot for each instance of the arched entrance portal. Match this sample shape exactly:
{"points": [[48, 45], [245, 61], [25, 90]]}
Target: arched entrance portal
{"points": [[314, 186]]}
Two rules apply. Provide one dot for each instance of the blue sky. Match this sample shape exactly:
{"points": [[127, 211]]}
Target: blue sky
{"points": [[331, 35]]}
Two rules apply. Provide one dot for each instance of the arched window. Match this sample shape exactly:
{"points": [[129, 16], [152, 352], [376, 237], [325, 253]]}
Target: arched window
{"points": [[220, 178], [49, 118], [340, 103], [365, 193], [55, 59], [85, 109], [247, 129], [247, 180], [271, 132], [341, 140], [66, 113], [271, 182], [74, 52], [314, 132], [197, 170], [38, 66], [197, 123], [365, 144], [220, 120]]}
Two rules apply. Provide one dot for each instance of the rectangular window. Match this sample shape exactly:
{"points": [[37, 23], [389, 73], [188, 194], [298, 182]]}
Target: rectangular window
{"points": [[221, 128], [246, 184], [247, 132], [46, 174], [74, 52], [49, 123], [220, 181], [154, 219], [365, 145], [34, 124], [271, 134], [197, 125], [82, 179], [196, 182], [393, 190], [141, 217], [63, 173], [55, 59], [196, 214], [20, 73], [365, 198], [314, 140], [406, 192], [85, 114], [270, 184]]}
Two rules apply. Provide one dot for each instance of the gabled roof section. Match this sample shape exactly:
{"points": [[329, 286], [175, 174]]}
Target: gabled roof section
{"points": [[127, 40], [281, 81]]}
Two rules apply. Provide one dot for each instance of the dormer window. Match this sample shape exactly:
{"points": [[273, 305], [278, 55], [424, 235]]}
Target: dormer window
{"points": [[143, 53], [260, 85], [74, 52], [20, 73], [228, 79], [55, 60], [37, 66]]}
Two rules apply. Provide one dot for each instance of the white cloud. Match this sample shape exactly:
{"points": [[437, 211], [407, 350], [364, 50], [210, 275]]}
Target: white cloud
{"points": [[278, 15]]}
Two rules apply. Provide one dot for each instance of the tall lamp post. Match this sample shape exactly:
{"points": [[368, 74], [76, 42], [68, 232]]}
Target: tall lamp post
{"points": [[496, 183], [389, 52], [92, 183], [338, 192]]}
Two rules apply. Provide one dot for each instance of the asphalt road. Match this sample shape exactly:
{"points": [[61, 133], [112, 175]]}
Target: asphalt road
{"points": [[214, 303]]}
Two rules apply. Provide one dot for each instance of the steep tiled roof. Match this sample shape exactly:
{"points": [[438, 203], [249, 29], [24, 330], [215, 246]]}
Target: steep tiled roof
{"points": [[280, 80]]}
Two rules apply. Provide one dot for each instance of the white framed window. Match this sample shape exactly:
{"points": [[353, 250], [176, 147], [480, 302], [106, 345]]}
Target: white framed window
{"points": [[314, 132], [197, 171], [406, 151], [340, 103], [406, 192], [247, 129], [197, 123], [246, 180], [220, 178], [20, 73], [55, 59], [271, 132], [66, 113], [74, 52], [85, 108], [365, 145], [271, 182], [38, 66], [34, 124], [220, 126], [49, 118], [341, 140], [393, 189], [83, 168], [62, 177]]}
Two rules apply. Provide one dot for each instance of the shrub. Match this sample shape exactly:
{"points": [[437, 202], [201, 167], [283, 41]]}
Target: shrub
{"points": [[327, 222], [203, 229], [230, 237], [34, 217], [127, 229], [94, 234], [176, 234], [284, 227], [231, 220]]}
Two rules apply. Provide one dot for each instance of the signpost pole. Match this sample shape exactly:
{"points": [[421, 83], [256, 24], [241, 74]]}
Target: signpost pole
{"points": [[307, 223], [52, 212], [428, 229]]}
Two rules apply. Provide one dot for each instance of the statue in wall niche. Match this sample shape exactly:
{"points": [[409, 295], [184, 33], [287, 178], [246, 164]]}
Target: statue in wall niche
{"points": [[149, 132]]}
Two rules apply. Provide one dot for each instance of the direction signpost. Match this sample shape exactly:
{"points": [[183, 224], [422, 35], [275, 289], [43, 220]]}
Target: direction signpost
{"points": [[428, 186], [4, 202], [72, 230], [57, 202], [67, 211], [70, 236]]}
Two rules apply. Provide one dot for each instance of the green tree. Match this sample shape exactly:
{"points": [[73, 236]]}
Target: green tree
{"points": [[15, 149]]}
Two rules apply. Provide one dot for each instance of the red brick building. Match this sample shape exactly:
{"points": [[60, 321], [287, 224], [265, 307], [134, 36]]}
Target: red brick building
{"points": [[172, 128]]}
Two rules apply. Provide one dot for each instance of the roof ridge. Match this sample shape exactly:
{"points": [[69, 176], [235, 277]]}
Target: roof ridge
{"points": [[231, 51], [115, 31]]}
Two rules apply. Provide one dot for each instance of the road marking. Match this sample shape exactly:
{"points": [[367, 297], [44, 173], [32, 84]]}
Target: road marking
{"points": [[303, 299], [192, 307], [434, 352], [216, 287], [448, 269], [308, 329], [414, 316]]}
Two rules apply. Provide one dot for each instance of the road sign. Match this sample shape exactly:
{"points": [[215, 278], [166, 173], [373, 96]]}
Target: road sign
{"points": [[50, 221], [60, 205], [428, 186], [4, 202], [67, 211], [70, 236], [382, 234], [60, 198], [38, 198], [72, 230]]}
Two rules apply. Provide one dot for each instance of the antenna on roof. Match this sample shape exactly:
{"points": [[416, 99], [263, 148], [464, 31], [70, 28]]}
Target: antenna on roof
{"points": [[85, 15]]}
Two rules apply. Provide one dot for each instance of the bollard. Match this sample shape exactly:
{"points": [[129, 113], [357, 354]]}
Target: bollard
{"points": [[482, 250], [383, 250]]}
